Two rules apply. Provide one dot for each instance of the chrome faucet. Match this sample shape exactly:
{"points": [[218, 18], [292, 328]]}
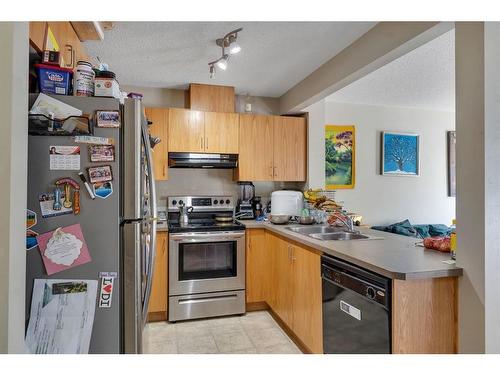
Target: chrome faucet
{"points": [[346, 220]]}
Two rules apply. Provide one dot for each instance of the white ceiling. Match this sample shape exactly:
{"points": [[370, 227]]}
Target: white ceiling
{"points": [[275, 55], [423, 78]]}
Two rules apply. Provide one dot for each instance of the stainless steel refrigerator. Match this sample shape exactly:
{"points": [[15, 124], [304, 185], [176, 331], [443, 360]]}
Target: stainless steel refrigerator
{"points": [[120, 230]]}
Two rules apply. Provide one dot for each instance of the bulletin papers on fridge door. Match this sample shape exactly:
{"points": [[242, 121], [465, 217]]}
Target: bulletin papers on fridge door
{"points": [[62, 314]]}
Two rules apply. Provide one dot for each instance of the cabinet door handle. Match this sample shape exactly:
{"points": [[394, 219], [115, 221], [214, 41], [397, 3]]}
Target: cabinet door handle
{"points": [[206, 145], [69, 48], [274, 171], [201, 139], [271, 171], [165, 170]]}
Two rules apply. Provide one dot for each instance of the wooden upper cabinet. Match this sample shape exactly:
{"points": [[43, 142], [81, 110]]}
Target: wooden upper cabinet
{"points": [[289, 148], [70, 47], [211, 98], [159, 288], [221, 132], [255, 148], [272, 148], [38, 30], [186, 130], [159, 128]]}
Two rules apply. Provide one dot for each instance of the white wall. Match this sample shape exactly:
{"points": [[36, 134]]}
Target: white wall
{"points": [[13, 158], [492, 186], [387, 199]]}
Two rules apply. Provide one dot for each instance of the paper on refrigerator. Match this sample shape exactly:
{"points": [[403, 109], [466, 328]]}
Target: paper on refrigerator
{"points": [[62, 315]]}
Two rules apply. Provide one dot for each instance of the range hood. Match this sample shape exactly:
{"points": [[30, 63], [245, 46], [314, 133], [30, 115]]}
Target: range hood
{"points": [[193, 160]]}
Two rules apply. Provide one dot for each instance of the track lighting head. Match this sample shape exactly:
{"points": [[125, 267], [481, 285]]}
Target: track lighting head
{"points": [[222, 62], [234, 48], [227, 42]]}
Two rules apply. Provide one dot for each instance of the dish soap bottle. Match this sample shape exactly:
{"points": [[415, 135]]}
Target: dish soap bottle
{"points": [[453, 239]]}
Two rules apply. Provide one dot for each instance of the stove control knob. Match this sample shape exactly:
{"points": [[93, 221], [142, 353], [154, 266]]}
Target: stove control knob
{"points": [[228, 201], [221, 201], [370, 292], [216, 201], [181, 202], [174, 202]]}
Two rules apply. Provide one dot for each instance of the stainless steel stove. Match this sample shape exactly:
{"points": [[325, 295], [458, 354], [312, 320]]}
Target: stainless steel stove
{"points": [[206, 259]]}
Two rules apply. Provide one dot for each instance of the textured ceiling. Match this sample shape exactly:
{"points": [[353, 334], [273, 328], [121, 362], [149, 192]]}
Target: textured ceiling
{"points": [[423, 78], [275, 55]]}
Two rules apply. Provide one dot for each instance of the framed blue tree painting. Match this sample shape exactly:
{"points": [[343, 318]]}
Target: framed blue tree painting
{"points": [[400, 154]]}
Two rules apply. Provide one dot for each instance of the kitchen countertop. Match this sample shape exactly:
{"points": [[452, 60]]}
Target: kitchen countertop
{"points": [[393, 256]]}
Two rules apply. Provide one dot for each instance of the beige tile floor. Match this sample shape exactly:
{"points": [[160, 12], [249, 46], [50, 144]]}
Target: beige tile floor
{"points": [[255, 332]]}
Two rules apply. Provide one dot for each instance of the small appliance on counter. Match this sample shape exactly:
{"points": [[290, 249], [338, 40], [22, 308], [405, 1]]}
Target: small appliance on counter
{"points": [[257, 206], [246, 194], [287, 202]]}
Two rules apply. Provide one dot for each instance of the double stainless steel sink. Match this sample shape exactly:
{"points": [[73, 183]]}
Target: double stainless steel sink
{"points": [[328, 233]]}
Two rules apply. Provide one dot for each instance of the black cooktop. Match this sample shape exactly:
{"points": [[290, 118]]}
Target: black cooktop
{"points": [[205, 225]]}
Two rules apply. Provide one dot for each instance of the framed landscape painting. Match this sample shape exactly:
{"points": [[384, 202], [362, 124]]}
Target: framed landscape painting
{"points": [[400, 154], [339, 157]]}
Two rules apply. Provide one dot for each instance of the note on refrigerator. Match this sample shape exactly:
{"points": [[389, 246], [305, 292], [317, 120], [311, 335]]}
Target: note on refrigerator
{"points": [[62, 315]]}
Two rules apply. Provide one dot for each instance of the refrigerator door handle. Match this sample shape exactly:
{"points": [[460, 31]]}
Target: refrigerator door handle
{"points": [[153, 217]]}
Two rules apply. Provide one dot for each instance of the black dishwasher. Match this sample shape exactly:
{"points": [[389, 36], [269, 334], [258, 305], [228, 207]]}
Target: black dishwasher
{"points": [[356, 309]]}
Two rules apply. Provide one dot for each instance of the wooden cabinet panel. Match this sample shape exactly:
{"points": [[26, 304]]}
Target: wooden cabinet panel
{"points": [[289, 148], [258, 272], [424, 316], [221, 132], [159, 290], [37, 35], [294, 292], [281, 282], [307, 318], [159, 128], [185, 130], [211, 98], [70, 46], [255, 148]]}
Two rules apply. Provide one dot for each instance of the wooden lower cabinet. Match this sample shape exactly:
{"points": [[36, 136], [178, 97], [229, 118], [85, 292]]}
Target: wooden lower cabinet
{"points": [[258, 270], [281, 298], [159, 290], [288, 277], [307, 318]]}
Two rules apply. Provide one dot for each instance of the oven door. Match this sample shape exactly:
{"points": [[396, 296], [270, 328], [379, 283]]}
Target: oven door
{"points": [[206, 262]]}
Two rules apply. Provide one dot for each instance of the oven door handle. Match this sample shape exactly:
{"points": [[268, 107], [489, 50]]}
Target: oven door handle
{"points": [[206, 299], [205, 237]]}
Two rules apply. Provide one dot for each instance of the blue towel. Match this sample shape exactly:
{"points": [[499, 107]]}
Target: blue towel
{"points": [[405, 228]]}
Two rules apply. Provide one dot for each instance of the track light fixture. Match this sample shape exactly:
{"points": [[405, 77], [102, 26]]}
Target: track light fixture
{"points": [[229, 47]]}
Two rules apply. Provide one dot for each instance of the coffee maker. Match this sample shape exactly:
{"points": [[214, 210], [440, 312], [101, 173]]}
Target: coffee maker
{"points": [[246, 193]]}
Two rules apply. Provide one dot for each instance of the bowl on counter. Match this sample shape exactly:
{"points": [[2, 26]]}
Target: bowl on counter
{"points": [[279, 219], [306, 220]]}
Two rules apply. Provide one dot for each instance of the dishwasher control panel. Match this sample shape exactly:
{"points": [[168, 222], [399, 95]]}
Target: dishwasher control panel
{"points": [[355, 282]]}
